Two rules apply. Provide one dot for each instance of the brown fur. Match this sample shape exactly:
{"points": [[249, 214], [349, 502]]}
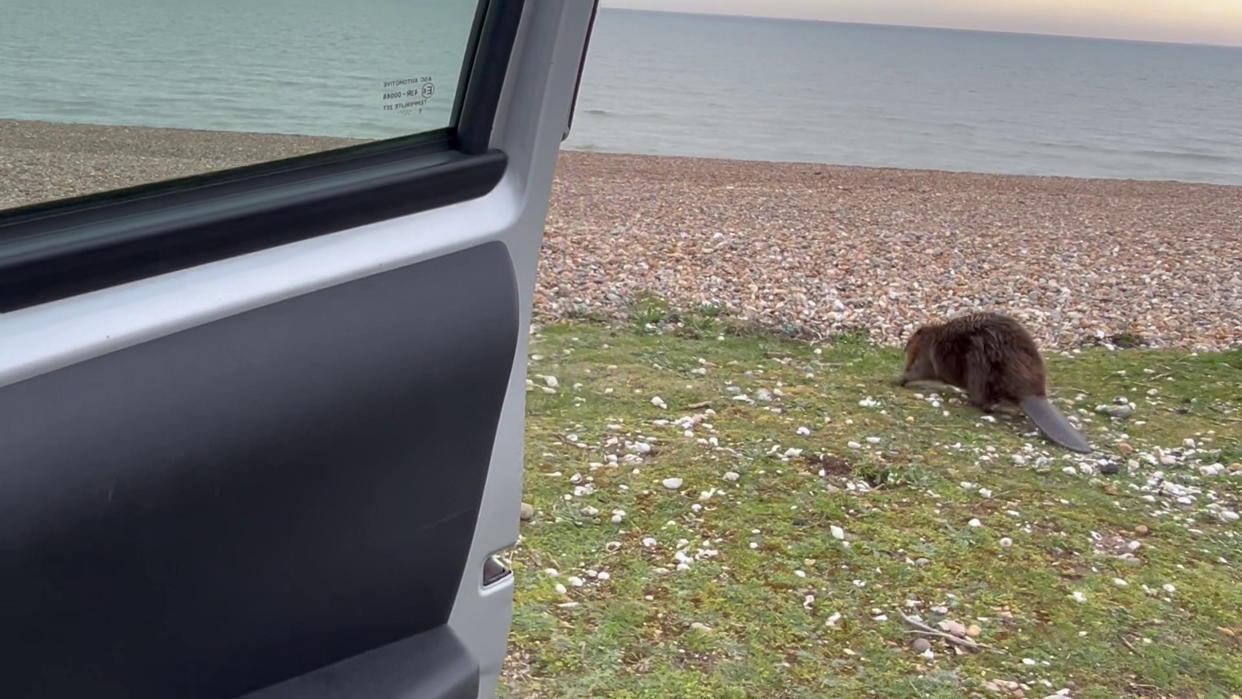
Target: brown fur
{"points": [[995, 360], [988, 355]]}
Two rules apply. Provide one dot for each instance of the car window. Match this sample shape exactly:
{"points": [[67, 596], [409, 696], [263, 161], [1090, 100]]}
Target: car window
{"points": [[100, 95]]}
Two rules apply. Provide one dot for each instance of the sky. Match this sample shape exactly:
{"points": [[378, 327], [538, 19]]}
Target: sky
{"points": [[1183, 21]]}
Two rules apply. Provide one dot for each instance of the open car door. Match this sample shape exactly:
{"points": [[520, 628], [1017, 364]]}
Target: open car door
{"points": [[261, 426]]}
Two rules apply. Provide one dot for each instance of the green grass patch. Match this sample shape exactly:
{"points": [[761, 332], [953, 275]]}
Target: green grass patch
{"points": [[734, 585]]}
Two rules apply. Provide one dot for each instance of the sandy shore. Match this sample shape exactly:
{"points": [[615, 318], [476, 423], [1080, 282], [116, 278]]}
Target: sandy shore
{"points": [[822, 249]]}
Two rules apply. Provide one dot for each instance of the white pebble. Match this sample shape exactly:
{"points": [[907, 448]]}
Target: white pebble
{"points": [[649, 542], [1119, 582], [975, 522], [575, 581], [551, 381], [804, 431], [1006, 542], [832, 620], [604, 575], [732, 476], [672, 483], [659, 403], [837, 532], [1079, 596], [1169, 588], [561, 589]]}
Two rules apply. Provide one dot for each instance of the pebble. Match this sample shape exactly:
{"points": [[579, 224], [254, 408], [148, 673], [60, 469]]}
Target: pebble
{"points": [[701, 627], [804, 431], [732, 476], [526, 512], [1210, 470], [659, 403], [1122, 411], [921, 645], [561, 589], [974, 631], [672, 483], [975, 522], [956, 628], [1006, 542], [590, 511], [922, 562], [575, 581], [837, 532], [551, 381]]}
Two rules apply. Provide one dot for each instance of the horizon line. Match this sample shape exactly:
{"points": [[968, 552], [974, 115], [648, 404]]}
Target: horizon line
{"points": [[1089, 37]]}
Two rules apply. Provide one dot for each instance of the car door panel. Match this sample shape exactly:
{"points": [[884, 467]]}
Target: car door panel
{"points": [[256, 497]]}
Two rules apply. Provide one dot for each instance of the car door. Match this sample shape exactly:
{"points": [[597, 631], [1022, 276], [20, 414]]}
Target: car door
{"points": [[266, 274]]}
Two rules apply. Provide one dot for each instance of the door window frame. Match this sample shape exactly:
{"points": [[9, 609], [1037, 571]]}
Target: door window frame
{"points": [[65, 247]]}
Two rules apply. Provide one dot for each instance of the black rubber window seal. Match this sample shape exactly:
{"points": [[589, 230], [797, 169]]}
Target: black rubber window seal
{"points": [[62, 248]]}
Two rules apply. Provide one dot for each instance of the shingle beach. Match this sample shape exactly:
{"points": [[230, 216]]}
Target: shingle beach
{"points": [[814, 249]]}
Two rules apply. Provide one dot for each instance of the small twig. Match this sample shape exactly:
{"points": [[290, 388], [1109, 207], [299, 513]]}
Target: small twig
{"points": [[922, 628], [1127, 644], [955, 640]]}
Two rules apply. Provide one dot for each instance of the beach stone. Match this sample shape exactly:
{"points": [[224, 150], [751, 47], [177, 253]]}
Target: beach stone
{"points": [[527, 512], [921, 645]]}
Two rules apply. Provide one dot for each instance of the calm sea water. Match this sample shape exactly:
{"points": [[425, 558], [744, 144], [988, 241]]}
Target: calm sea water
{"points": [[903, 97], [317, 67], [655, 83]]}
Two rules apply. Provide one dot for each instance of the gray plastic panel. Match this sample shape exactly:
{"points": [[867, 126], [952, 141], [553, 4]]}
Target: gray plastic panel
{"points": [[243, 502]]}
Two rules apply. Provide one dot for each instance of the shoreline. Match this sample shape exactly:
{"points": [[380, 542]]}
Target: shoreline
{"points": [[893, 169], [820, 248]]}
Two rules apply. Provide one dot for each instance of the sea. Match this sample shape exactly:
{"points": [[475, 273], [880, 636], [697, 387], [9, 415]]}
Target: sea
{"points": [[654, 83]]}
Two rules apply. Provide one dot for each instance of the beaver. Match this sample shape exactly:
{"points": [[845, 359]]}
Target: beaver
{"points": [[995, 360]]}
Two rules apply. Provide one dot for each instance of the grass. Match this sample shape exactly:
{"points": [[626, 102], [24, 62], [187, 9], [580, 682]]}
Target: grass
{"points": [[771, 604]]}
